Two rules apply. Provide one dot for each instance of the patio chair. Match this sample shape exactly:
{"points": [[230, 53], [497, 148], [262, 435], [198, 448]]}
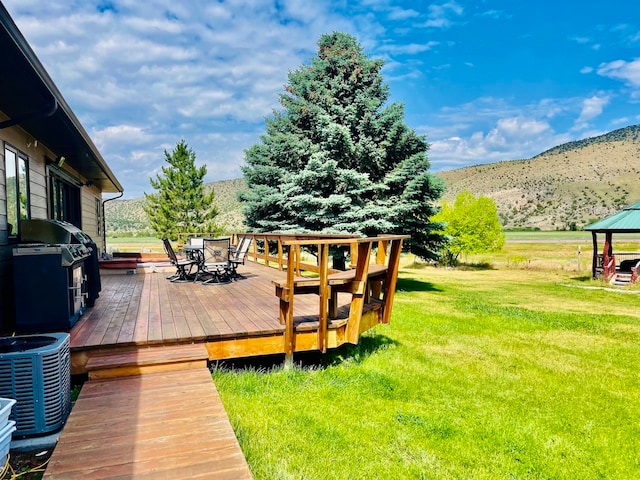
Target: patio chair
{"points": [[237, 257], [181, 275], [215, 267]]}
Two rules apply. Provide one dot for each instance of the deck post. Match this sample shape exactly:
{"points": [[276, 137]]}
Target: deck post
{"points": [[279, 253], [266, 250], [286, 307], [358, 292], [323, 260], [391, 280], [381, 257], [255, 249], [594, 260]]}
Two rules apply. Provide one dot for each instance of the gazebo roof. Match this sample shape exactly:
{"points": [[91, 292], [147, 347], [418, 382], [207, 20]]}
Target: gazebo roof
{"points": [[626, 220]]}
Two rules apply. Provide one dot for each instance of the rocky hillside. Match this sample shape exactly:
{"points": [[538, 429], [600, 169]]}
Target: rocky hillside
{"points": [[569, 185], [576, 182]]}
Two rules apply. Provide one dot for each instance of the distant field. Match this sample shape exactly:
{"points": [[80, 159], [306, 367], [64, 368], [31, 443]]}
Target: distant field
{"points": [[134, 244], [560, 236], [564, 251]]}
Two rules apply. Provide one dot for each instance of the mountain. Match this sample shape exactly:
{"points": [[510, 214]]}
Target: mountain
{"points": [[567, 186]]}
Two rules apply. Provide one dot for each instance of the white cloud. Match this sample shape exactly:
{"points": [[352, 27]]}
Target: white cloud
{"points": [[591, 108], [143, 75], [493, 129], [509, 139], [130, 134], [440, 15], [628, 72], [402, 14], [409, 49], [580, 40]]}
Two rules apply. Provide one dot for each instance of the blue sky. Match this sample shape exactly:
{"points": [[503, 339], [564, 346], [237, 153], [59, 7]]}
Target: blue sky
{"points": [[485, 80]]}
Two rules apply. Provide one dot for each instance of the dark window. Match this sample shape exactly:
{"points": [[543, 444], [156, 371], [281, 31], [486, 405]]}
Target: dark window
{"points": [[17, 182], [64, 200]]}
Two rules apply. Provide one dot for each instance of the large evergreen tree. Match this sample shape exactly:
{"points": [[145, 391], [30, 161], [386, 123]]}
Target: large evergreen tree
{"points": [[337, 159], [181, 204]]}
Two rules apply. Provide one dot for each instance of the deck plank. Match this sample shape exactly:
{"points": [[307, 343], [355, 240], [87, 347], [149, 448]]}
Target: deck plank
{"points": [[141, 328], [169, 425]]}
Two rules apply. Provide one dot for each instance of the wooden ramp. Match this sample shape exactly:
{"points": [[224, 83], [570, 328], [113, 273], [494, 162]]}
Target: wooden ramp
{"points": [[163, 425]]}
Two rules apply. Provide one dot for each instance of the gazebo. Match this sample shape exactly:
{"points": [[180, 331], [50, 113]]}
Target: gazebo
{"points": [[623, 265]]}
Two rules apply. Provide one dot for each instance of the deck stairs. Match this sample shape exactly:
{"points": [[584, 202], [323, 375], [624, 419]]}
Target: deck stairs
{"points": [[621, 279], [138, 361]]}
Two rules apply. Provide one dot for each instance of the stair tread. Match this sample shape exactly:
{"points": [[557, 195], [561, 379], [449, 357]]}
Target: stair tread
{"points": [[148, 356]]}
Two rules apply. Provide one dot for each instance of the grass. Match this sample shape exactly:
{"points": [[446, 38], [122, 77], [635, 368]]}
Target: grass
{"points": [[510, 371]]}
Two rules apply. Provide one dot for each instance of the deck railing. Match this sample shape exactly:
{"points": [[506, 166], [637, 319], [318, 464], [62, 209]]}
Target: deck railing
{"points": [[620, 257], [269, 249], [627, 262], [370, 279]]}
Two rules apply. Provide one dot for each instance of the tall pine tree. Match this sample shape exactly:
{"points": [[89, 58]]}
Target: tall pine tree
{"points": [[181, 204], [335, 159]]}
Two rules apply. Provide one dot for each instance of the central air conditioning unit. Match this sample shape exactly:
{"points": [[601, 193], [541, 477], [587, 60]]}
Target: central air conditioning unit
{"points": [[35, 370]]}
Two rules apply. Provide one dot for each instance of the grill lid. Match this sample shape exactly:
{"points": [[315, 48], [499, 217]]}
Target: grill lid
{"points": [[51, 232]]}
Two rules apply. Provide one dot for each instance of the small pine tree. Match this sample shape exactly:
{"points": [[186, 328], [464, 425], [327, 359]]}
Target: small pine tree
{"points": [[337, 160], [181, 204]]}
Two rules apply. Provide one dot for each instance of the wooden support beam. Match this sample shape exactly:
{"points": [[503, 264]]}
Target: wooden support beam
{"points": [[358, 296], [287, 308], [391, 280], [323, 261], [279, 254]]}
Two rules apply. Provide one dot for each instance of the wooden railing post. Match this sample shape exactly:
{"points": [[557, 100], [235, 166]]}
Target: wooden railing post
{"points": [[353, 248], [358, 291], [391, 280], [266, 250], [381, 258], [255, 248], [280, 267], [323, 260], [286, 310]]}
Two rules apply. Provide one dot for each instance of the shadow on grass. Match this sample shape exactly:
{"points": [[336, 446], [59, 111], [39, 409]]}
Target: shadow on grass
{"points": [[367, 346], [475, 266], [583, 278], [411, 285]]}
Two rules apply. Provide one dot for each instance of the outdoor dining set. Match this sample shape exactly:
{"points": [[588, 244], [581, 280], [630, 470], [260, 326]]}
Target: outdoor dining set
{"points": [[208, 260]]}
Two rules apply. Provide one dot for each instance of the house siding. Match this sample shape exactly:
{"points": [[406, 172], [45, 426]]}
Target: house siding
{"points": [[38, 207], [89, 215]]}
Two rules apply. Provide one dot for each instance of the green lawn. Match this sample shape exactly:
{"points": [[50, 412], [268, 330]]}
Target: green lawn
{"points": [[513, 372]]}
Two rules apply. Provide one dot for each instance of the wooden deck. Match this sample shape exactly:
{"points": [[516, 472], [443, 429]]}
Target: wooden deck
{"points": [[150, 408], [152, 426], [237, 319]]}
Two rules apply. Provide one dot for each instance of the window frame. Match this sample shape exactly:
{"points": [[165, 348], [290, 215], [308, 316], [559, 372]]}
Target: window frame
{"points": [[64, 197], [21, 212]]}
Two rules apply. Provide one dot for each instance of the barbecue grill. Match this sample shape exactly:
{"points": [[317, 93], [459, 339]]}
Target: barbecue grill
{"points": [[60, 232], [55, 271]]}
